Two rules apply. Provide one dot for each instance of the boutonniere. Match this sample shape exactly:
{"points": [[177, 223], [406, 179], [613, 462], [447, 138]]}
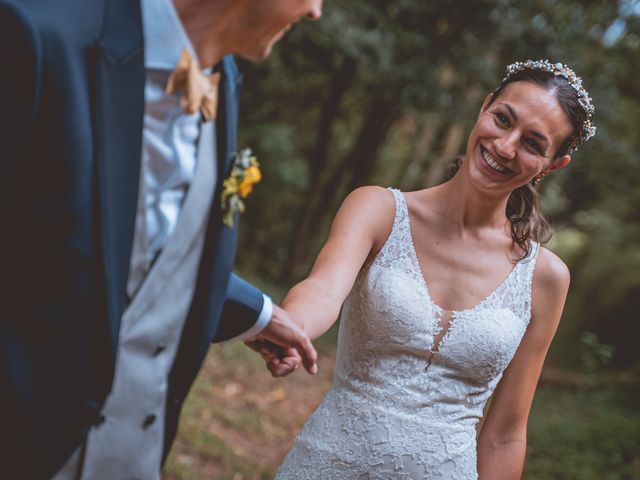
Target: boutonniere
{"points": [[245, 173]]}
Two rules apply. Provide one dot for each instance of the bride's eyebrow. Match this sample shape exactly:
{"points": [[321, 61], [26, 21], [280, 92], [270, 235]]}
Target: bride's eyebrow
{"points": [[535, 133], [511, 110], [541, 137]]}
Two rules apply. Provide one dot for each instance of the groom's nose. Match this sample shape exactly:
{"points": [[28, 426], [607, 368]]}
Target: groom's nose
{"points": [[315, 11]]}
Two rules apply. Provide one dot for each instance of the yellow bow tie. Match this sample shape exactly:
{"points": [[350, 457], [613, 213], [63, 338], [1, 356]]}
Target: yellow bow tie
{"points": [[200, 92]]}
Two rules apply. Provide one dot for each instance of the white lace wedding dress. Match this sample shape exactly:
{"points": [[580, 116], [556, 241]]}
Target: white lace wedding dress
{"points": [[404, 405]]}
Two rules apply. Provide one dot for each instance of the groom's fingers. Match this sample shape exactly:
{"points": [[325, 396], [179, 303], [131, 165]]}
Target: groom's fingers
{"points": [[288, 363], [279, 361], [283, 331], [282, 367], [277, 369], [266, 349]]}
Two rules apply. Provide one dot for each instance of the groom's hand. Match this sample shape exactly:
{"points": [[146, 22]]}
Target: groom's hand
{"points": [[279, 361], [284, 345]]}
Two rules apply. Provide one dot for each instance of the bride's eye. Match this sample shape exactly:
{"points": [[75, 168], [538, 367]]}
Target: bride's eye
{"points": [[534, 146], [502, 119]]}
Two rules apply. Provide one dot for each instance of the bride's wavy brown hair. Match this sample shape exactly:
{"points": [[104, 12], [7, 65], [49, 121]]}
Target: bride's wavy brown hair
{"points": [[523, 206]]}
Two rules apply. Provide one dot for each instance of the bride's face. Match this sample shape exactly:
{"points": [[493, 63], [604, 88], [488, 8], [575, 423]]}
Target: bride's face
{"points": [[516, 137]]}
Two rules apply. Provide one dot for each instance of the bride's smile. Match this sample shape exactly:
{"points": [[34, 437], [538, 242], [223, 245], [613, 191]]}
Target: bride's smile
{"points": [[493, 164]]}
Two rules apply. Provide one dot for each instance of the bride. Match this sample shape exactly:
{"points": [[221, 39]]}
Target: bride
{"points": [[448, 300]]}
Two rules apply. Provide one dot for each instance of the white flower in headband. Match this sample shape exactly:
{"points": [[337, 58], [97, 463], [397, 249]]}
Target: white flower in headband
{"points": [[559, 69]]}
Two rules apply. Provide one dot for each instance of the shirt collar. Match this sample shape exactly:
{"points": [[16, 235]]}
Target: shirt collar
{"points": [[164, 35]]}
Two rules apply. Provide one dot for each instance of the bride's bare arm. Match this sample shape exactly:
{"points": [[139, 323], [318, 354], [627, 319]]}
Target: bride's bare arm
{"points": [[359, 229], [503, 438]]}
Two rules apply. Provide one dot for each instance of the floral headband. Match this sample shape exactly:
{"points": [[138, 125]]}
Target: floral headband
{"points": [[559, 69]]}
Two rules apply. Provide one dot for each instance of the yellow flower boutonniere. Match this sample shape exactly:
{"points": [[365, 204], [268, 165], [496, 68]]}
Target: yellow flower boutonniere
{"points": [[244, 175]]}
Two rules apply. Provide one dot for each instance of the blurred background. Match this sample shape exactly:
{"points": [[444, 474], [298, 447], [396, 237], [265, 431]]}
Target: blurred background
{"points": [[386, 92]]}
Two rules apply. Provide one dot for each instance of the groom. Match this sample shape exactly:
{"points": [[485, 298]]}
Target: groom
{"points": [[114, 257]]}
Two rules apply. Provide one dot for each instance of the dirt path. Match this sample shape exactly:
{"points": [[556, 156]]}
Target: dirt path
{"points": [[239, 422]]}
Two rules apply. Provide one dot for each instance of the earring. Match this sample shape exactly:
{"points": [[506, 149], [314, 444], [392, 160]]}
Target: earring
{"points": [[536, 180]]}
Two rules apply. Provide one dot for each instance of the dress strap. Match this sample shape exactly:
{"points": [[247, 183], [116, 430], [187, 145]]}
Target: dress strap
{"points": [[401, 220], [394, 248], [527, 266], [530, 259]]}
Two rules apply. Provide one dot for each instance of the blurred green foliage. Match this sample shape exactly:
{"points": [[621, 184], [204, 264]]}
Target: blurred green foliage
{"points": [[386, 91], [583, 436], [594, 355]]}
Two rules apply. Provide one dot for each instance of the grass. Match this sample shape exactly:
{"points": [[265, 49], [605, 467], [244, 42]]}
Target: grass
{"points": [[238, 422]]}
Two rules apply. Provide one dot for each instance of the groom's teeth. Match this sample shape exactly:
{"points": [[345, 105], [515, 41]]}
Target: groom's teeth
{"points": [[492, 163]]}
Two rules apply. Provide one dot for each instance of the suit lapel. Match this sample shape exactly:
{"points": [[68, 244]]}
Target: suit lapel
{"points": [[217, 256], [119, 110], [227, 118]]}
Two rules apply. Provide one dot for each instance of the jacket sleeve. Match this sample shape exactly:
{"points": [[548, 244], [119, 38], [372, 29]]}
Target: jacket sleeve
{"points": [[21, 55], [242, 306]]}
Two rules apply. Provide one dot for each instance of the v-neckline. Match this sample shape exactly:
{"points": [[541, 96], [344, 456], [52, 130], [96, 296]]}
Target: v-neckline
{"points": [[420, 271]]}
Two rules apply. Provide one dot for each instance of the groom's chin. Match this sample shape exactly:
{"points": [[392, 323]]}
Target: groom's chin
{"points": [[256, 55], [262, 50]]}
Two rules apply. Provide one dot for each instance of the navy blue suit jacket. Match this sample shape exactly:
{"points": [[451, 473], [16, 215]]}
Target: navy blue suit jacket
{"points": [[71, 113]]}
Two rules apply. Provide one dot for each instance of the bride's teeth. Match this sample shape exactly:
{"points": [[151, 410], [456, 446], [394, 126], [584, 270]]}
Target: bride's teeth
{"points": [[492, 163]]}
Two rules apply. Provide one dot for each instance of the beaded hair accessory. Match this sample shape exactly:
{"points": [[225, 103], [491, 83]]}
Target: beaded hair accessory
{"points": [[559, 69]]}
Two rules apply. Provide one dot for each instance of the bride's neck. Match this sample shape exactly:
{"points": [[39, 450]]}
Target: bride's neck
{"points": [[468, 207]]}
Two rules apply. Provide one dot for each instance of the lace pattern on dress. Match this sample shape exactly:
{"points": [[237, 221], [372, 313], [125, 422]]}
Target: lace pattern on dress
{"points": [[407, 395]]}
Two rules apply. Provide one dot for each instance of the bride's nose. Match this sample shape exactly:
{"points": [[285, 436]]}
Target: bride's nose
{"points": [[506, 145]]}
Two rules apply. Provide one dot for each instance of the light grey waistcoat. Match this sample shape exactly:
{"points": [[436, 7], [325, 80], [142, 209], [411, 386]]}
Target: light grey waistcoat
{"points": [[129, 443]]}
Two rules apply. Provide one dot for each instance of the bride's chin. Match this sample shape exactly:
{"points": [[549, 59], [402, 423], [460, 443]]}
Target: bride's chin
{"points": [[480, 182]]}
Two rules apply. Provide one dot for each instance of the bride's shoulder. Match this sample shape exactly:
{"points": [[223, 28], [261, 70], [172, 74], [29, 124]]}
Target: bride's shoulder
{"points": [[550, 284], [372, 208], [372, 195], [551, 272]]}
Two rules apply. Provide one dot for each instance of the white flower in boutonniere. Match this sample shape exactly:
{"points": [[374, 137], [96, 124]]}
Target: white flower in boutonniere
{"points": [[244, 175]]}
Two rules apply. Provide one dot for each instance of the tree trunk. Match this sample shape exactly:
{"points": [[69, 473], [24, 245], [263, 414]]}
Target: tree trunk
{"points": [[355, 168], [318, 161], [422, 146], [452, 143], [383, 113]]}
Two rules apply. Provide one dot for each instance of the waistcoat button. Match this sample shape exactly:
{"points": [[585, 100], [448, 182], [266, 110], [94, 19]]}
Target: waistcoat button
{"points": [[159, 349], [149, 421]]}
